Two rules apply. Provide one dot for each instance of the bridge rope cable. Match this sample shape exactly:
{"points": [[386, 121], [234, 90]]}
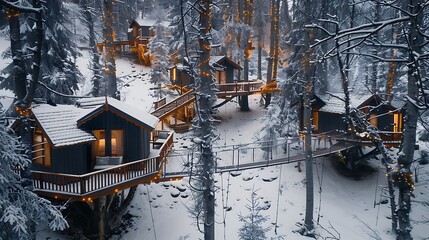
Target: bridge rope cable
{"points": [[375, 193], [320, 180], [151, 214], [279, 191], [225, 208]]}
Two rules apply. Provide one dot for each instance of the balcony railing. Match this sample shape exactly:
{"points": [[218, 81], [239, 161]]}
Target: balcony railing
{"points": [[91, 185]]}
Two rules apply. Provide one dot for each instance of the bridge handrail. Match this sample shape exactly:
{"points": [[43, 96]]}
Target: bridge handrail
{"points": [[162, 112]]}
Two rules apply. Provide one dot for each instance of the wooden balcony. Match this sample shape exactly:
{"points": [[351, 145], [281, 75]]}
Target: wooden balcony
{"points": [[238, 89], [391, 139], [103, 182]]}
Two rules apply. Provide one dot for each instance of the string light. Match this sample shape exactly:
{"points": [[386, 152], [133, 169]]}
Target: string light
{"points": [[11, 13]]}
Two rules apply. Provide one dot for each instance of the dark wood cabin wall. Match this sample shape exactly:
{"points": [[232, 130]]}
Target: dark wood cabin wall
{"points": [[136, 139], [70, 159], [385, 120], [229, 74], [330, 121]]}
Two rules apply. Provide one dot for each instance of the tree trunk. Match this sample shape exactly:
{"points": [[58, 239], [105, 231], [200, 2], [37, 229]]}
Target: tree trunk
{"points": [[308, 97], [259, 24], [110, 51], [374, 50], [276, 39], [270, 67], [246, 19], [19, 71], [205, 101], [405, 159], [260, 46]]}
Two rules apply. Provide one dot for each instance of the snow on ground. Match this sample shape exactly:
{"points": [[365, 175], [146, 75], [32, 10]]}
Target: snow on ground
{"points": [[344, 204]]}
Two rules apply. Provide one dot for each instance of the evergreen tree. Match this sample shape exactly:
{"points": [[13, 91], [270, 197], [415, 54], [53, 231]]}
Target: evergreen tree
{"points": [[20, 208], [58, 68], [252, 228], [158, 48], [181, 19], [88, 14]]}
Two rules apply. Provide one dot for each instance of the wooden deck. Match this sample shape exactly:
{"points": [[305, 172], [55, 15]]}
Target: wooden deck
{"points": [[107, 181]]}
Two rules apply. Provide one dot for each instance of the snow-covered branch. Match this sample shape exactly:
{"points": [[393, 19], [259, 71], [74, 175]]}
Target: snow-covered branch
{"points": [[58, 93], [19, 7]]}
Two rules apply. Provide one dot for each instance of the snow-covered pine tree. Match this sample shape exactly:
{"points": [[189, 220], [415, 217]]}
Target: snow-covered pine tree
{"points": [[178, 41], [203, 176], [253, 228], [58, 68], [158, 48], [88, 12], [20, 208]]}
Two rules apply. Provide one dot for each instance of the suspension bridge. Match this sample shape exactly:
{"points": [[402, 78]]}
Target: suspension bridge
{"points": [[180, 163]]}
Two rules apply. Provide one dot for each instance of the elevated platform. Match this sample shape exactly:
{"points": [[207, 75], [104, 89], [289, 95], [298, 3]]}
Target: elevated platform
{"points": [[181, 116], [103, 182]]}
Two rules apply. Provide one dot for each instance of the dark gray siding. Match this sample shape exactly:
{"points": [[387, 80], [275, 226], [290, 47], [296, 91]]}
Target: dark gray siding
{"points": [[71, 159], [136, 139], [229, 74], [330, 121]]}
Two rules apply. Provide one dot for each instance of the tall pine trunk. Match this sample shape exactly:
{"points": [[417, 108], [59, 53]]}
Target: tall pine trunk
{"points": [[308, 97], [19, 71], [205, 99], [415, 40], [271, 57]]}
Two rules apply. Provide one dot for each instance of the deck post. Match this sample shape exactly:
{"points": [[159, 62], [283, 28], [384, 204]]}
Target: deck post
{"points": [[82, 186]]}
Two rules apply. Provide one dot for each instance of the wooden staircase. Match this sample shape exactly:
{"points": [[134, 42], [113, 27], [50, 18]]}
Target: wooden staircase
{"points": [[177, 114]]}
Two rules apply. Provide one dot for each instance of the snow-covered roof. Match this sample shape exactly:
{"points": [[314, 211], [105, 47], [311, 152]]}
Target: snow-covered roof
{"points": [[217, 59], [333, 104], [100, 104], [60, 124], [336, 104], [148, 22]]}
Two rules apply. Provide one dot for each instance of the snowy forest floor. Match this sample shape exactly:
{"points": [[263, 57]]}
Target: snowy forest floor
{"points": [[346, 203]]}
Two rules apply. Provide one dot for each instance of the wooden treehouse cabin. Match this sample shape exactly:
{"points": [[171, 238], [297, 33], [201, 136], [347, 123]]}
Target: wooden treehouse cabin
{"points": [[225, 71], [98, 147], [328, 115], [139, 35]]}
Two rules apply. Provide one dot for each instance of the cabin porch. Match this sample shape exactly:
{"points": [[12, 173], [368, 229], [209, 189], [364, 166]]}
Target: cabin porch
{"points": [[98, 183]]}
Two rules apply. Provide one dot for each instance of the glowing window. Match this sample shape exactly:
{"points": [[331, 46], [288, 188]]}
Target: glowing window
{"points": [[41, 149], [373, 120], [117, 142], [316, 120], [397, 120], [99, 146]]}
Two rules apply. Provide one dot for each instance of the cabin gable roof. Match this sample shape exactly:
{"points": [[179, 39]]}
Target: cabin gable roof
{"points": [[334, 102], [62, 124], [121, 109], [219, 61]]}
